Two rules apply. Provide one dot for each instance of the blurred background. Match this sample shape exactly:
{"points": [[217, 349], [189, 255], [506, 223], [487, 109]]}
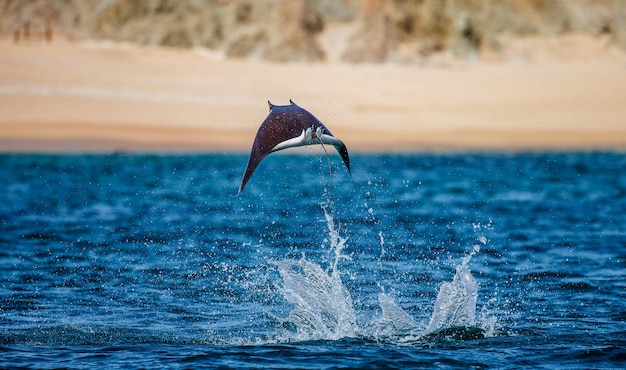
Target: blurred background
{"points": [[86, 67], [317, 30]]}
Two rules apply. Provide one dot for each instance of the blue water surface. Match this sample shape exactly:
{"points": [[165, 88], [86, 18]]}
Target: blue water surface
{"points": [[149, 261]]}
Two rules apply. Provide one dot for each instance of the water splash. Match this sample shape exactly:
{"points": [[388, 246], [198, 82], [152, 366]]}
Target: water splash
{"points": [[323, 307], [394, 322], [324, 310], [456, 302]]}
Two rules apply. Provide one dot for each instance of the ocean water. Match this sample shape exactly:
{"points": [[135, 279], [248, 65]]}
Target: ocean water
{"points": [[472, 260]]}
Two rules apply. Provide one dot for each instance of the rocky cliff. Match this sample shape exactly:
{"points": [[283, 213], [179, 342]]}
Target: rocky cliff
{"points": [[306, 30]]}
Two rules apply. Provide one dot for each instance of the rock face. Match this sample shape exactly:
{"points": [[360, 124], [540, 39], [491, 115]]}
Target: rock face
{"points": [[277, 30], [467, 27], [289, 30]]}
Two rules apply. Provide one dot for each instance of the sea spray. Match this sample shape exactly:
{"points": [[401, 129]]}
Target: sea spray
{"points": [[323, 308], [456, 302], [394, 322]]}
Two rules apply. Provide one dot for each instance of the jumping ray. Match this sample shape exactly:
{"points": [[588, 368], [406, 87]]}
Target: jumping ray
{"points": [[289, 126]]}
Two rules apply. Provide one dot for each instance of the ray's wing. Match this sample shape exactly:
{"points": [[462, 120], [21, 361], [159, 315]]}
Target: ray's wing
{"points": [[308, 120], [343, 152], [280, 125], [338, 144]]}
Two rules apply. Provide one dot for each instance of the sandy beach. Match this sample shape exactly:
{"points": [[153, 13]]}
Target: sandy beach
{"points": [[86, 97]]}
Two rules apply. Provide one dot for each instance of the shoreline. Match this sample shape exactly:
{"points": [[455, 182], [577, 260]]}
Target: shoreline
{"points": [[72, 97], [184, 140]]}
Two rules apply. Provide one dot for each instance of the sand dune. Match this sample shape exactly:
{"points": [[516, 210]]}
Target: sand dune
{"points": [[102, 97]]}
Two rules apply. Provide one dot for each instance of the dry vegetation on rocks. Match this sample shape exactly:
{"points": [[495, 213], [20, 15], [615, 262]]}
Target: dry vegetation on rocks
{"points": [[294, 30]]}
